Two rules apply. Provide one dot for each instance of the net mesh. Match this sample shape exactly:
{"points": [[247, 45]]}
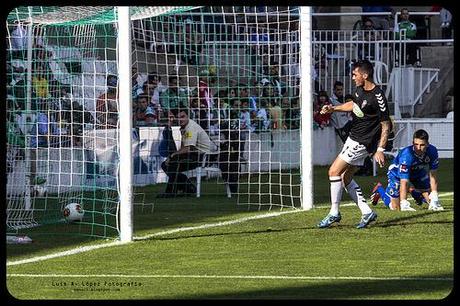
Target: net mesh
{"points": [[234, 69]]}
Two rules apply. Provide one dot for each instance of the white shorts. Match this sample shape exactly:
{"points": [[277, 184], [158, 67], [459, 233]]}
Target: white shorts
{"points": [[353, 152]]}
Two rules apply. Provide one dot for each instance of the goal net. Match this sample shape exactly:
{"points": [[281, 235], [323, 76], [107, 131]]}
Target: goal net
{"points": [[237, 71], [233, 70]]}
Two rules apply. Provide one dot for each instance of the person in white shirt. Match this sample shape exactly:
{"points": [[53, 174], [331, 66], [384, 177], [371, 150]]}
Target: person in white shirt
{"points": [[18, 39]]}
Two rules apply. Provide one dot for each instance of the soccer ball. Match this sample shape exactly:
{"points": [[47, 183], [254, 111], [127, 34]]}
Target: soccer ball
{"points": [[73, 212], [39, 191]]}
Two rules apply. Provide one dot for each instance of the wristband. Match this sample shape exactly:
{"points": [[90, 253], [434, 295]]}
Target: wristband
{"points": [[380, 149]]}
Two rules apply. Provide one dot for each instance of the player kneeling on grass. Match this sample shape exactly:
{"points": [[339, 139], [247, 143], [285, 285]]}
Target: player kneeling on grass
{"points": [[414, 165]]}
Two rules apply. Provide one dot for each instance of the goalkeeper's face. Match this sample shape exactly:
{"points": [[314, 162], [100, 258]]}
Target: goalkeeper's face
{"points": [[420, 146]]}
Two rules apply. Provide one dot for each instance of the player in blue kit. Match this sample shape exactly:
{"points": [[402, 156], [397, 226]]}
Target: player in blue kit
{"points": [[413, 171]]}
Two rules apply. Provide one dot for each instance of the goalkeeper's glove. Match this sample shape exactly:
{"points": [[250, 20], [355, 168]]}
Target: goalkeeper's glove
{"points": [[405, 206]]}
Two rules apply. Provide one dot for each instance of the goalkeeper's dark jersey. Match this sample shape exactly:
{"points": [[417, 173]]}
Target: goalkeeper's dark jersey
{"points": [[370, 109]]}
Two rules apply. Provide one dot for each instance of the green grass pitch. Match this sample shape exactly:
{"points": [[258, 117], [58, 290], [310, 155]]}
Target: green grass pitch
{"points": [[211, 248]]}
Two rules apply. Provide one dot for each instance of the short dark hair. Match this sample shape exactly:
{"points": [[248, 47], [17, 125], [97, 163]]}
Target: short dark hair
{"points": [[421, 134], [368, 20], [143, 96], [365, 66], [337, 83], [152, 77], [176, 111], [323, 93]]}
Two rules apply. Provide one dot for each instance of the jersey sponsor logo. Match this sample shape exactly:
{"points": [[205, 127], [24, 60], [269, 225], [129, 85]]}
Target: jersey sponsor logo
{"points": [[403, 168], [356, 94]]}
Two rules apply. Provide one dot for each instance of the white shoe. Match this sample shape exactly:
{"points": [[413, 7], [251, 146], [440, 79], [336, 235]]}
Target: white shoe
{"points": [[435, 207], [405, 206]]}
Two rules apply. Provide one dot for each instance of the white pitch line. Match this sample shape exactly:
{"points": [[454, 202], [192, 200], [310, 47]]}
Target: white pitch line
{"points": [[281, 277], [177, 230], [63, 253], [223, 223], [116, 243]]}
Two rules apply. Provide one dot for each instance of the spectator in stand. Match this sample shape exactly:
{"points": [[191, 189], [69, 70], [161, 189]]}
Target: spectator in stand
{"points": [[341, 121], [446, 24], [285, 105], [257, 48], [445, 19], [154, 88], [293, 115], [254, 95], [173, 98], [245, 126], [371, 36], [16, 72], [107, 105], [410, 30], [322, 120], [198, 111], [275, 79], [381, 22], [144, 115], [194, 108], [268, 91], [193, 43], [137, 81], [261, 120], [223, 109], [72, 114], [206, 99], [276, 115], [40, 82], [243, 91], [18, 41], [232, 93]]}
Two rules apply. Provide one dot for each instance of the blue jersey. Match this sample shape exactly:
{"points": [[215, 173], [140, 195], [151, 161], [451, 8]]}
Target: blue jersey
{"points": [[410, 166]]}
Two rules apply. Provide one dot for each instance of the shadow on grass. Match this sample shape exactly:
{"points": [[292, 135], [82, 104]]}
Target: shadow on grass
{"points": [[433, 287]]}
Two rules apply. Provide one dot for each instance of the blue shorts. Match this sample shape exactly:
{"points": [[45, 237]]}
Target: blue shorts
{"points": [[421, 184]]}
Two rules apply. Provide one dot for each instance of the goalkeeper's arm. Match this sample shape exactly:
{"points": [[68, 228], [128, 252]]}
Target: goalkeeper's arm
{"points": [[403, 189], [434, 200], [434, 180]]}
